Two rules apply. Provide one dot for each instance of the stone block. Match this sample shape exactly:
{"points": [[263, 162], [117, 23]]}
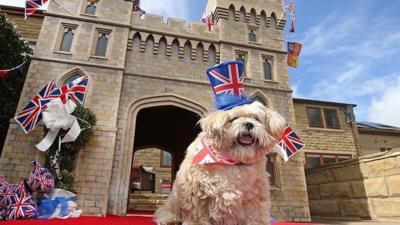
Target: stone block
{"points": [[319, 177], [382, 167], [355, 208], [336, 190], [313, 192], [375, 187], [324, 207], [358, 189], [393, 184], [347, 173], [386, 208]]}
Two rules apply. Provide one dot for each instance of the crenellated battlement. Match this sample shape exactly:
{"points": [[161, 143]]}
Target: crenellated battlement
{"points": [[174, 27]]}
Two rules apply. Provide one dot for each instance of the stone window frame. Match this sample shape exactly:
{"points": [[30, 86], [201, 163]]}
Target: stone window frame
{"points": [[85, 3], [256, 31], [63, 28], [321, 158], [272, 59], [322, 111], [99, 31], [246, 57], [162, 165], [275, 178]]}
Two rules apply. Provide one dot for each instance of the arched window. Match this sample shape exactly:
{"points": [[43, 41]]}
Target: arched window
{"points": [[187, 50], [263, 19], [200, 52], [273, 21], [232, 13], [91, 6], [162, 46], [136, 41], [242, 15], [149, 45], [211, 54], [253, 16], [102, 42], [71, 78], [175, 48], [267, 67], [242, 56], [252, 36], [260, 100], [67, 38]]}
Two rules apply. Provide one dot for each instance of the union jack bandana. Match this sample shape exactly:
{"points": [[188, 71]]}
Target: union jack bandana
{"points": [[204, 155]]}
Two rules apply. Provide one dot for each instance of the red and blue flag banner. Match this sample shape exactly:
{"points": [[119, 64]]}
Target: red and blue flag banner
{"points": [[32, 5], [293, 49], [290, 142], [75, 90], [20, 69], [205, 155], [209, 20], [31, 114]]}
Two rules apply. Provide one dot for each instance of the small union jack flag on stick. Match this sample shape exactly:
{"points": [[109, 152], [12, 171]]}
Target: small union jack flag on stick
{"points": [[31, 114], [290, 143]]}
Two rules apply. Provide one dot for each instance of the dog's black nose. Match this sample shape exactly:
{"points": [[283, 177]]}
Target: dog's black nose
{"points": [[249, 125]]}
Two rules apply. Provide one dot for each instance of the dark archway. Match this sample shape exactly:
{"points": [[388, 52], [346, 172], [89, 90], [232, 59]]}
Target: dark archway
{"points": [[170, 128]]}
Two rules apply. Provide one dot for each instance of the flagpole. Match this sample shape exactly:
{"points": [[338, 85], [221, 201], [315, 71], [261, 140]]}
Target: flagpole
{"points": [[284, 11], [63, 7]]}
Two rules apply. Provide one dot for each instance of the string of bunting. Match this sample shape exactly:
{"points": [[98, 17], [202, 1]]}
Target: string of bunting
{"points": [[20, 69]]}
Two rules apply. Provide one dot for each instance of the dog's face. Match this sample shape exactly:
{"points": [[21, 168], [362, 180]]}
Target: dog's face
{"points": [[245, 133]]}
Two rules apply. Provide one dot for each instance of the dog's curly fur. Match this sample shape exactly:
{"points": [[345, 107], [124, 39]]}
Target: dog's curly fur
{"points": [[226, 194]]}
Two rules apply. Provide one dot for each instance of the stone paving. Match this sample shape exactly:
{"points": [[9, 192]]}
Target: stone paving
{"points": [[354, 222]]}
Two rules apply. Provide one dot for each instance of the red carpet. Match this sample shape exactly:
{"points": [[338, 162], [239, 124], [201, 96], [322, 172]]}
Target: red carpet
{"points": [[108, 220]]}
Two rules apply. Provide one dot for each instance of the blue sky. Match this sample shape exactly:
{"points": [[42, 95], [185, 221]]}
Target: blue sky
{"points": [[350, 51]]}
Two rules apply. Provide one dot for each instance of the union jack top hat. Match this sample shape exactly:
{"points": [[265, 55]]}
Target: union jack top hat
{"points": [[227, 81]]}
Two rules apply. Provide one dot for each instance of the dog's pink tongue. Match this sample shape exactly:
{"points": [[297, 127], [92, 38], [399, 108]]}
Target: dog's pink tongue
{"points": [[246, 140]]}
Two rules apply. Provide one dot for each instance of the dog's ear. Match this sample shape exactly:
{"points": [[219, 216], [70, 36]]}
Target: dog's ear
{"points": [[275, 123], [213, 122]]}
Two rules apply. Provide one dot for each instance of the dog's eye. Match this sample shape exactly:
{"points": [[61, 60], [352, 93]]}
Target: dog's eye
{"points": [[233, 119]]}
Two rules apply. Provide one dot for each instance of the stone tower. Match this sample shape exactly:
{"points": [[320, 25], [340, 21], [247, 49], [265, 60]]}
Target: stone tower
{"points": [[149, 88]]}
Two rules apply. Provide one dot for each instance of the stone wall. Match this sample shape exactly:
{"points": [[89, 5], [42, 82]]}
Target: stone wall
{"points": [[367, 187], [373, 142], [151, 157], [323, 140]]}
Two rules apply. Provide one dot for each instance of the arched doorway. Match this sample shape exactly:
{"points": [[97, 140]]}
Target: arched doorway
{"points": [[162, 134]]}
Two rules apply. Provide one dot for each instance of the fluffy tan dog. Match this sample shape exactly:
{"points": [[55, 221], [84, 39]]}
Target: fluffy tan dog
{"points": [[217, 194]]}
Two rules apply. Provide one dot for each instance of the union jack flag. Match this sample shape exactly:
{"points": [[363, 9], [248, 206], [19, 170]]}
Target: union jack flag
{"points": [[31, 114], [290, 142], [20, 205], [32, 5], [209, 20], [74, 90], [205, 155], [228, 80]]}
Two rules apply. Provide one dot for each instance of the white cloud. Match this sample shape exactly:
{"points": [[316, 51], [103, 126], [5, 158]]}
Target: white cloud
{"points": [[386, 107], [167, 8]]}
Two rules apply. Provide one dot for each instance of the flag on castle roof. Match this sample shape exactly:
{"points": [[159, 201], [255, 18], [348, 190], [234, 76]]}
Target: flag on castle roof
{"points": [[209, 20], [32, 5]]}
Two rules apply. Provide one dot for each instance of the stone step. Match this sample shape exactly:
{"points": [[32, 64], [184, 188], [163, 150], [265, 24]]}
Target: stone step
{"points": [[146, 201]]}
